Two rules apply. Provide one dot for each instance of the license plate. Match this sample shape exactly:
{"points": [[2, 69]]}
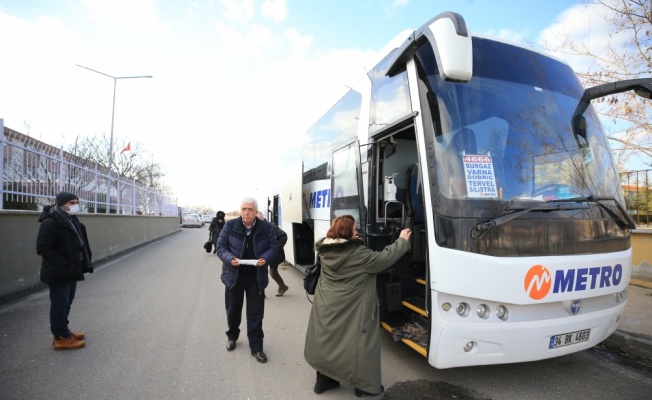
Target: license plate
{"points": [[566, 339]]}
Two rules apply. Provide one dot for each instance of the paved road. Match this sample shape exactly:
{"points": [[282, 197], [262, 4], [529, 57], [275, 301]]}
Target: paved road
{"points": [[154, 321]]}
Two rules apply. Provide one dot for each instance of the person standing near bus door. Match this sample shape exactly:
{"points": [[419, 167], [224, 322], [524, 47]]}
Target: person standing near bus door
{"points": [[245, 245], [282, 238], [66, 255], [343, 336]]}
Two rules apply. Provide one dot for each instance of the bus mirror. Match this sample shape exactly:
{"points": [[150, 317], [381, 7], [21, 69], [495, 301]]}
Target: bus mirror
{"points": [[451, 41], [642, 87], [644, 91], [453, 47]]}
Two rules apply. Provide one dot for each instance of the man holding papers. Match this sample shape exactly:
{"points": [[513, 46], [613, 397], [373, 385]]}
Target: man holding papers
{"points": [[245, 245]]}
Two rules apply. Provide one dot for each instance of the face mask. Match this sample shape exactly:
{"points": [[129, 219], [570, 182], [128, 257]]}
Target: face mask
{"points": [[73, 209]]}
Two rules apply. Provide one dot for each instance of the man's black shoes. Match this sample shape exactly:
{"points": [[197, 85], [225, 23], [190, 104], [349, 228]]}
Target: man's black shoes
{"points": [[230, 345], [260, 356]]}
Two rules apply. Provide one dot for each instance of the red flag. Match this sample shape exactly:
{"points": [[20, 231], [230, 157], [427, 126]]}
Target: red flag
{"points": [[126, 148]]}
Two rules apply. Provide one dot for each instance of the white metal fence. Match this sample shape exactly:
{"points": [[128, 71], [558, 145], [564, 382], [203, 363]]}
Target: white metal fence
{"points": [[34, 172]]}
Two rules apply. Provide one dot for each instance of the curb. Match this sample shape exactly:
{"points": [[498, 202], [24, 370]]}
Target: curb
{"points": [[641, 282], [634, 344]]}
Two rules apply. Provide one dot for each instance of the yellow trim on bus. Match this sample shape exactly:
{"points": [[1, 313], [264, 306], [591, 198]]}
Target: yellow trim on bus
{"points": [[414, 308], [415, 347]]}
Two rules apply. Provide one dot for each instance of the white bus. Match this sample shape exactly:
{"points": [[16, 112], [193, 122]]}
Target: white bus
{"points": [[491, 153]]}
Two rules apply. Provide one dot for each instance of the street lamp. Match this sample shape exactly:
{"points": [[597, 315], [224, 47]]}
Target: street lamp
{"points": [[115, 80]]}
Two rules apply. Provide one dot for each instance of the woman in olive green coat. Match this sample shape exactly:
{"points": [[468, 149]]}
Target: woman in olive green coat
{"points": [[343, 338]]}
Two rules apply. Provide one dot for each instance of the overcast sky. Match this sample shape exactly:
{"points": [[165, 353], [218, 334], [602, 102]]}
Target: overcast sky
{"points": [[233, 81]]}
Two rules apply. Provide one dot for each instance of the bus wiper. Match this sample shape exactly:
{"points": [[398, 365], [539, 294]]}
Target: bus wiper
{"points": [[624, 222], [482, 228]]}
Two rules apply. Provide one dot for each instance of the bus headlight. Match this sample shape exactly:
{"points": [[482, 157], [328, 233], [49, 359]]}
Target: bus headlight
{"points": [[462, 309], [446, 306], [482, 310], [502, 312]]}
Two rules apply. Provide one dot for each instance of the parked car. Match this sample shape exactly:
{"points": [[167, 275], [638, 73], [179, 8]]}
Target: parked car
{"points": [[206, 218], [192, 220]]}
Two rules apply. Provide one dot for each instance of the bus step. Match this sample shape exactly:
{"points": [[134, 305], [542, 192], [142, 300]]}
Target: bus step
{"points": [[418, 319], [411, 344], [417, 305]]}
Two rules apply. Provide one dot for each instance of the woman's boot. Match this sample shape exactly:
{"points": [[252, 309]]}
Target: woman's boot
{"points": [[325, 383]]}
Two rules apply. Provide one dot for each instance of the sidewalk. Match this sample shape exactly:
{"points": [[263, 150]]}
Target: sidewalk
{"points": [[634, 333]]}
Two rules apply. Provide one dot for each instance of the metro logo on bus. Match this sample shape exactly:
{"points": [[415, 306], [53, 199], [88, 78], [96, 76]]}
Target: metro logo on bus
{"points": [[320, 199], [538, 280]]}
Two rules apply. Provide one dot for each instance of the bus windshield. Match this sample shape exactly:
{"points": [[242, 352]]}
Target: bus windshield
{"points": [[506, 134]]}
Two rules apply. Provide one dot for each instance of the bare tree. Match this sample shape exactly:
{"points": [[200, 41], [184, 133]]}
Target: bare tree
{"points": [[91, 148], [151, 173], [131, 164], [624, 53]]}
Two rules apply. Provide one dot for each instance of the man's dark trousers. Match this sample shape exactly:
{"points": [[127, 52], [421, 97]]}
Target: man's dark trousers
{"points": [[61, 297], [234, 299]]}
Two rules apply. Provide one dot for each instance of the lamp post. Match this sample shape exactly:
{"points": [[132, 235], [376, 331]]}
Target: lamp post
{"points": [[115, 81]]}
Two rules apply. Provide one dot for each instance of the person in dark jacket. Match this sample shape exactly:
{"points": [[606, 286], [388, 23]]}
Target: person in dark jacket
{"points": [[62, 243], [282, 238], [245, 245], [343, 336], [217, 223]]}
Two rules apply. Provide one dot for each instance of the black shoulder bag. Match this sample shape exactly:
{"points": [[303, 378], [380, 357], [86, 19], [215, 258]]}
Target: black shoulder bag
{"points": [[311, 277], [208, 246]]}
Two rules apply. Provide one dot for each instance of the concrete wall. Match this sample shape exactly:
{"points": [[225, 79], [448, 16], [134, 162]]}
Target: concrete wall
{"points": [[108, 235], [642, 254]]}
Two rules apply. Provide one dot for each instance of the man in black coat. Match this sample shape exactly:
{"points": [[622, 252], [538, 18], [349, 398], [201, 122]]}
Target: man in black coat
{"points": [[63, 245]]}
